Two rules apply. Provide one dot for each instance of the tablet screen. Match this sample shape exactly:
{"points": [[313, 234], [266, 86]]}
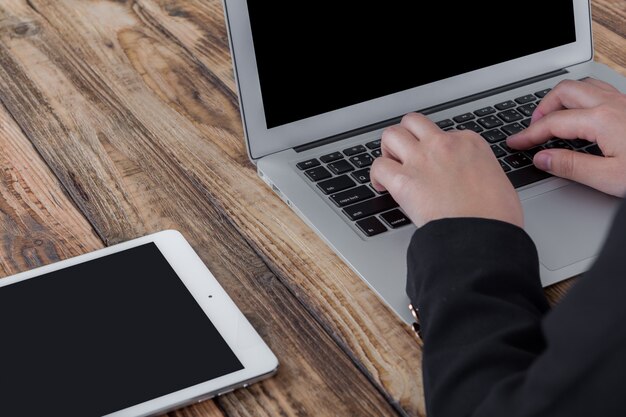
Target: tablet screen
{"points": [[102, 336]]}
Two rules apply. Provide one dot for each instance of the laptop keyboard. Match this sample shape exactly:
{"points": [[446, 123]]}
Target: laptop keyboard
{"points": [[344, 176]]}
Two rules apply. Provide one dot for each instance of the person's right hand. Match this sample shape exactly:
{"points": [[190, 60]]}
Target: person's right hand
{"points": [[591, 110]]}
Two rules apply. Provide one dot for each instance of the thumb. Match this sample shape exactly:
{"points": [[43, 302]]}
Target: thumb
{"points": [[584, 168]]}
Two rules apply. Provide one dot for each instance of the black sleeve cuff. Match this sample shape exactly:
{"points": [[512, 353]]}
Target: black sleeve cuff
{"points": [[449, 254]]}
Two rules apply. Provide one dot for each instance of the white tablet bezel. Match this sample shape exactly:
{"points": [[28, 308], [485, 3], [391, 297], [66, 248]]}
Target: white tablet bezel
{"points": [[261, 141], [257, 359]]}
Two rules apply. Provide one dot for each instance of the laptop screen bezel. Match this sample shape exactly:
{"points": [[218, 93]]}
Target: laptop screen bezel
{"points": [[261, 141]]}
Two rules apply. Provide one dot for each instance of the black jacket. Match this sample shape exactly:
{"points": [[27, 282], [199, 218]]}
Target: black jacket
{"points": [[492, 346]]}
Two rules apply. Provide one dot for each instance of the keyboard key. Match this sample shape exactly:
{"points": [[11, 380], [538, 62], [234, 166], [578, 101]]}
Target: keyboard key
{"points": [[311, 163], [362, 175], [505, 105], [375, 144], [506, 147], [490, 122], [352, 196], [527, 110], [484, 111], [557, 144], [543, 93], [526, 176], [336, 184], [594, 150], [362, 161], [447, 129], [504, 166], [395, 219], [493, 136], [525, 99], [371, 226], [354, 150], [513, 128], [445, 123], [533, 151], [518, 160], [470, 126], [317, 174], [578, 143], [525, 122], [497, 151], [379, 192], [510, 116], [370, 207], [331, 157], [340, 167], [464, 118], [376, 153]]}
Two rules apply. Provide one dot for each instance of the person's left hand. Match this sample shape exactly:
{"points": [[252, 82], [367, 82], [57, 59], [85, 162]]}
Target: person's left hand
{"points": [[434, 174]]}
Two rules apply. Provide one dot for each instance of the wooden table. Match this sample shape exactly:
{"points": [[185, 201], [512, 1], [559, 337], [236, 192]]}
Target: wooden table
{"points": [[120, 118]]}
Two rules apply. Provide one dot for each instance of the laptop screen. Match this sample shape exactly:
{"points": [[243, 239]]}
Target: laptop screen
{"points": [[316, 57]]}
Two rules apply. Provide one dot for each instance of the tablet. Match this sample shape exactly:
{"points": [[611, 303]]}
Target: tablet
{"points": [[136, 329]]}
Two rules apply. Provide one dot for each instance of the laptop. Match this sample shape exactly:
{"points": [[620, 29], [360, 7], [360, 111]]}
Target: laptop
{"points": [[318, 83]]}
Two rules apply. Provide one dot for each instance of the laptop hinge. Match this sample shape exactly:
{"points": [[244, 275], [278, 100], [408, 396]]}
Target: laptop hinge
{"points": [[430, 110]]}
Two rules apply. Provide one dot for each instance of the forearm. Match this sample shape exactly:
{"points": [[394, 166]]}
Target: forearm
{"points": [[476, 285]]}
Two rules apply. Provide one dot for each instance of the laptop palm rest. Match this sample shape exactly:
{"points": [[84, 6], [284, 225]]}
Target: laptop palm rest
{"points": [[568, 224]]}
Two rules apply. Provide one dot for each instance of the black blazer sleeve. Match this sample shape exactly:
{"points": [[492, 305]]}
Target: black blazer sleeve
{"points": [[491, 345]]}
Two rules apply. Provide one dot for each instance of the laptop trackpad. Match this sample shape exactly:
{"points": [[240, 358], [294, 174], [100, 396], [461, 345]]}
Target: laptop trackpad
{"points": [[568, 224]]}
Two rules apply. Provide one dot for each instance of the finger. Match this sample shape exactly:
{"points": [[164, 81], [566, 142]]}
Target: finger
{"points": [[564, 124], [586, 169], [420, 126], [383, 172], [398, 143], [570, 94], [600, 84]]}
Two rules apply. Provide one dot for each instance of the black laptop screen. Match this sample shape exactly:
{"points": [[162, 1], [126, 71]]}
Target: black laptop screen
{"points": [[317, 56]]}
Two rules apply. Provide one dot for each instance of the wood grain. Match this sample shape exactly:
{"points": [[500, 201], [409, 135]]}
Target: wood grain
{"points": [[132, 104], [609, 32], [39, 223], [611, 14], [134, 166]]}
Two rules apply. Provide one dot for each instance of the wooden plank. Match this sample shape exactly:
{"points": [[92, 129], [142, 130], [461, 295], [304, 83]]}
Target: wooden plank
{"points": [[134, 165], [555, 293], [609, 48], [39, 223], [612, 15]]}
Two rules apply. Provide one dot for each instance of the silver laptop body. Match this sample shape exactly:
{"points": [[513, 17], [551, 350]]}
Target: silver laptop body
{"points": [[567, 221]]}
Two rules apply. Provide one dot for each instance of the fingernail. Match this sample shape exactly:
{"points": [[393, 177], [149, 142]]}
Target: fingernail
{"points": [[536, 116], [543, 161]]}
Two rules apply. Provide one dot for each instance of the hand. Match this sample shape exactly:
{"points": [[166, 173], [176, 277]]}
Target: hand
{"points": [[434, 174], [591, 110]]}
